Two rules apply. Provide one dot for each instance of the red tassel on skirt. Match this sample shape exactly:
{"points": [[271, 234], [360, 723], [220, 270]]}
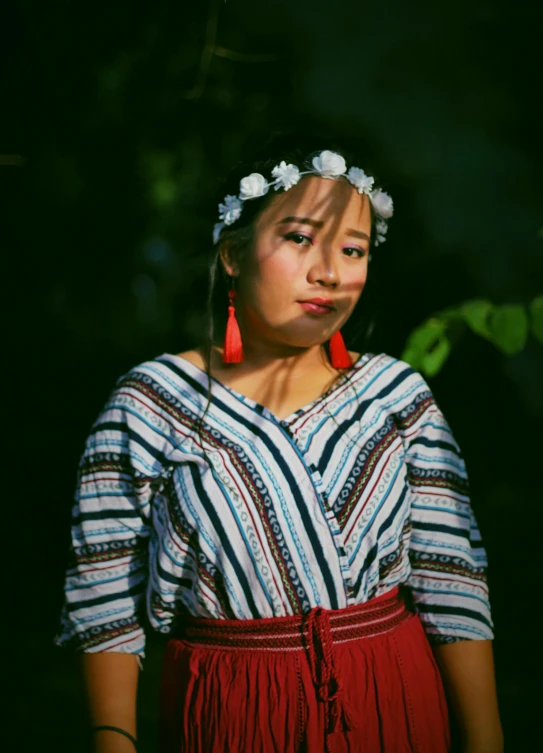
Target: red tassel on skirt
{"points": [[353, 680]]}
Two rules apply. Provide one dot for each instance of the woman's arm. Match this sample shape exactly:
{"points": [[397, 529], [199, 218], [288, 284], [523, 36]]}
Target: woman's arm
{"points": [[111, 682], [467, 669]]}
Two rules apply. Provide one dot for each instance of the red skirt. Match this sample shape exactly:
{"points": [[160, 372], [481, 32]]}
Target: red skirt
{"points": [[363, 678]]}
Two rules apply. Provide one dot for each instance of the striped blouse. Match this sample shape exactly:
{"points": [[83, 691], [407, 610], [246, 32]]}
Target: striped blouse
{"points": [[361, 490]]}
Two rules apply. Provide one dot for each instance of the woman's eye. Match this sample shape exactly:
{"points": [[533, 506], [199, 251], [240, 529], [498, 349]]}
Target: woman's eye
{"points": [[360, 251], [298, 238]]}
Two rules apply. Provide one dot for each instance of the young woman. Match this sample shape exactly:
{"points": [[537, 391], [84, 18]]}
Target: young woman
{"points": [[293, 514]]}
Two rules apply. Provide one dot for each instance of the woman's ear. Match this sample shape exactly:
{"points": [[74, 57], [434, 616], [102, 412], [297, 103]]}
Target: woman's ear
{"points": [[227, 256]]}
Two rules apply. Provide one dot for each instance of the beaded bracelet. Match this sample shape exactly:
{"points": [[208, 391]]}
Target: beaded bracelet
{"points": [[115, 729]]}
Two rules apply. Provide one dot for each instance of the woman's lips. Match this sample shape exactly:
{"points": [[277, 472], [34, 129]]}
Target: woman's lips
{"points": [[314, 308]]}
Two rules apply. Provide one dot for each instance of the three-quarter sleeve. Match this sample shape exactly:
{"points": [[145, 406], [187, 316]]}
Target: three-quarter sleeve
{"points": [[107, 571], [448, 561]]}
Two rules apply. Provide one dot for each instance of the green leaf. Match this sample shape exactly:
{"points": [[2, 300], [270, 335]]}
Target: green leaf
{"points": [[476, 314], [421, 341], [426, 334], [509, 328], [536, 311], [434, 360], [412, 357]]}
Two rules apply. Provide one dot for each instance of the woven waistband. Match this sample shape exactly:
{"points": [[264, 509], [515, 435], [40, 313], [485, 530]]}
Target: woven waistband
{"points": [[316, 632], [374, 617]]}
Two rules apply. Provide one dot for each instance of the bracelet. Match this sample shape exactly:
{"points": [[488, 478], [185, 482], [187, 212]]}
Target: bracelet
{"points": [[115, 729]]}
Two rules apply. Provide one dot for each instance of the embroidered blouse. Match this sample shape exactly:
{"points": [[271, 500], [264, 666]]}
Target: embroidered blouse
{"points": [[362, 489]]}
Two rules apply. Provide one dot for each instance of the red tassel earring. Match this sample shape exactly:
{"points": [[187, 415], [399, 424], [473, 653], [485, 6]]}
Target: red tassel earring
{"points": [[233, 350], [339, 354]]}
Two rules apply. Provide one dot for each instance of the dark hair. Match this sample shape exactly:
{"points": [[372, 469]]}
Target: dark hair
{"points": [[299, 149]]}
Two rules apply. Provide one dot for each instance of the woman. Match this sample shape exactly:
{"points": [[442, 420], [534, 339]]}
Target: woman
{"points": [[293, 514]]}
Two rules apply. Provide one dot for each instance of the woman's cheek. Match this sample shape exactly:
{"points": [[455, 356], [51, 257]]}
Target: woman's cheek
{"points": [[282, 267], [360, 280]]}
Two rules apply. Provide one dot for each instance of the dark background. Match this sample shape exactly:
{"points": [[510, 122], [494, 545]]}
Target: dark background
{"points": [[115, 126]]}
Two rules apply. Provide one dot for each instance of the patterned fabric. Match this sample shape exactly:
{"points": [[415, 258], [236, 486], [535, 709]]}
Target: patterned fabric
{"points": [[357, 492], [318, 633]]}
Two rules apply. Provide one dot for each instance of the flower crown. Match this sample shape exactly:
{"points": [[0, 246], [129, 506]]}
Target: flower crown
{"points": [[326, 164]]}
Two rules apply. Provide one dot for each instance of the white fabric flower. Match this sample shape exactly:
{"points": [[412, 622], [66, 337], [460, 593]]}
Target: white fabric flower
{"points": [[253, 186], [381, 226], [382, 203], [287, 175], [329, 164], [217, 227], [230, 211], [360, 180]]}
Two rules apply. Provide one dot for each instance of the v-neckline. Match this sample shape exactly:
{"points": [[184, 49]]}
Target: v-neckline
{"points": [[364, 358]]}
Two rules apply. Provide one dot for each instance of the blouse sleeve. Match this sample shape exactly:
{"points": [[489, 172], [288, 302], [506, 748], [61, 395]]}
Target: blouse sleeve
{"points": [[448, 562], [107, 570]]}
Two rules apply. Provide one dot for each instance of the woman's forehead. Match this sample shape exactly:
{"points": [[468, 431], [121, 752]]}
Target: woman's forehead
{"points": [[320, 199]]}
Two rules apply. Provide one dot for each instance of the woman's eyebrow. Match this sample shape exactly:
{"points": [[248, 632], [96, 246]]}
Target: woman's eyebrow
{"points": [[357, 234], [315, 223], [301, 220]]}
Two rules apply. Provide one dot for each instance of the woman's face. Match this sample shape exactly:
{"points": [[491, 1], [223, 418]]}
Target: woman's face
{"points": [[311, 241]]}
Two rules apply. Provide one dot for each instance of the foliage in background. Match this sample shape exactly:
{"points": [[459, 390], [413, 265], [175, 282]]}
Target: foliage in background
{"points": [[135, 131], [429, 345]]}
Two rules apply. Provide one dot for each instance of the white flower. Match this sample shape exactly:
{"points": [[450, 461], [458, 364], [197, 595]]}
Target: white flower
{"points": [[217, 227], [381, 226], [329, 164], [230, 210], [379, 239], [287, 175], [253, 186], [382, 203], [360, 180]]}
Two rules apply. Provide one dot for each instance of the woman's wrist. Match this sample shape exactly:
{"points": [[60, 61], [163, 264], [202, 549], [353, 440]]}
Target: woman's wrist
{"points": [[108, 738]]}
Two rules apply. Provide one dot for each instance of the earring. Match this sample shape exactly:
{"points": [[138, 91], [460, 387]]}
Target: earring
{"points": [[339, 354], [233, 350]]}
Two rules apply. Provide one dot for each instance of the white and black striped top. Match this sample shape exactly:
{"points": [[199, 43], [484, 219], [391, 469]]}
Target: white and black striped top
{"points": [[281, 516]]}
